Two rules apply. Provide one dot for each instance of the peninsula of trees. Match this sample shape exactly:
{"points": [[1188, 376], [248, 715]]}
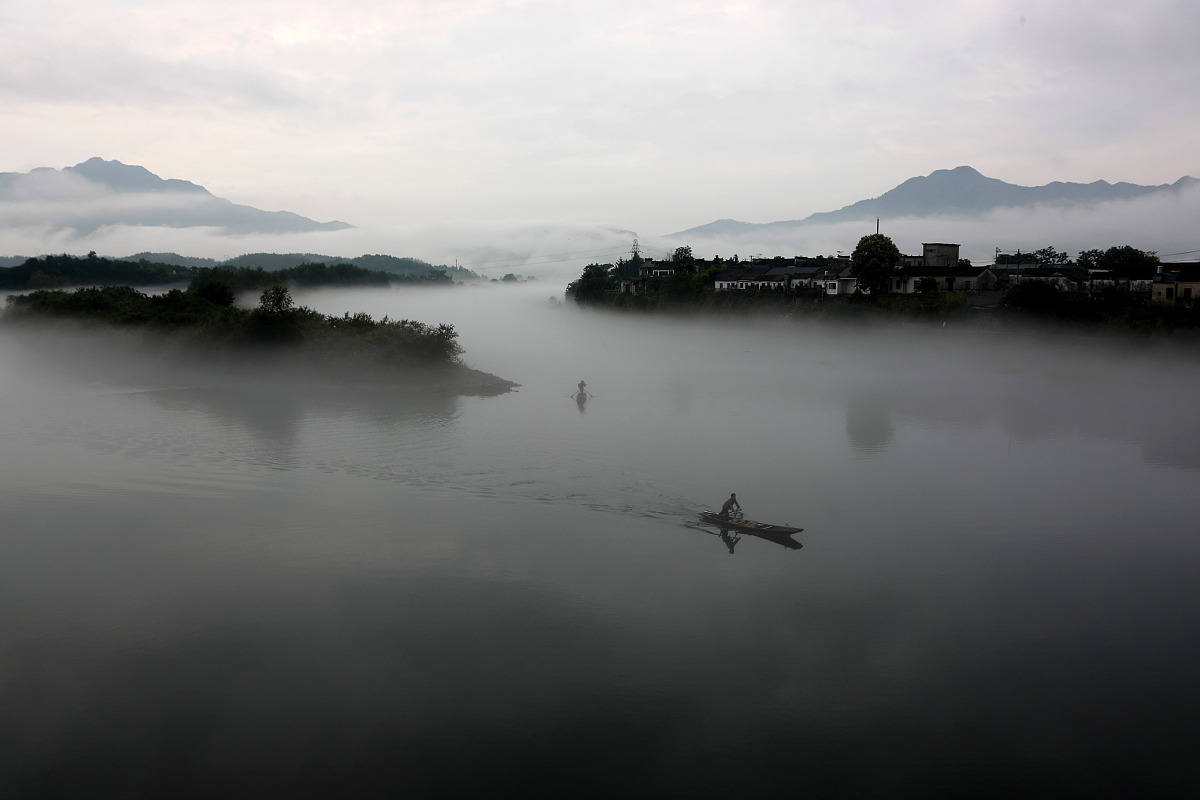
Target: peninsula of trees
{"points": [[203, 326]]}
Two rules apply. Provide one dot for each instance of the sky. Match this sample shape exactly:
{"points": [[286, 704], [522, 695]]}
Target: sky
{"points": [[417, 119]]}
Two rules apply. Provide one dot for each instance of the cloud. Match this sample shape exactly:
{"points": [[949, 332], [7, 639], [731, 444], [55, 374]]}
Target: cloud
{"points": [[651, 115]]}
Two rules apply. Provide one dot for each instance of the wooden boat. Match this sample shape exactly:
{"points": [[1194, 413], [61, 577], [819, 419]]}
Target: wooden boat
{"points": [[747, 525]]}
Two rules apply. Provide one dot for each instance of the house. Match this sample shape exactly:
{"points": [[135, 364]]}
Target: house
{"points": [[764, 276], [742, 276], [1177, 286], [840, 282], [1066, 279], [933, 254], [633, 284], [805, 277], [907, 280], [939, 254], [649, 268]]}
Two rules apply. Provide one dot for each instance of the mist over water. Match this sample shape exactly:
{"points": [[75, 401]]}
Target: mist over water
{"points": [[212, 587]]}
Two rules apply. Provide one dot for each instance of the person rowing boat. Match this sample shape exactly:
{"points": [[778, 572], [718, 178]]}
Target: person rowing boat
{"points": [[730, 504]]}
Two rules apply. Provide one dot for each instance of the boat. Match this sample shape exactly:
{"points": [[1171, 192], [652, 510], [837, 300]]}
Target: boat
{"points": [[747, 525]]}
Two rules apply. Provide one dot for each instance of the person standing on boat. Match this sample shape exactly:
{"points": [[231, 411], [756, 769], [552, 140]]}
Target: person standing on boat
{"points": [[730, 504], [582, 388]]}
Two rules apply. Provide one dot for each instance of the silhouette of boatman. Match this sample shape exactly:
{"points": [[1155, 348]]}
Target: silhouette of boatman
{"points": [[727, 509], [582, 388]]}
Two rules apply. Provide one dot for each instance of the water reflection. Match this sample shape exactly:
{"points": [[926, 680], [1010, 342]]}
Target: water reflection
{"points": [[276, 411], [1125, 396], [869, 424], [730, 537]]}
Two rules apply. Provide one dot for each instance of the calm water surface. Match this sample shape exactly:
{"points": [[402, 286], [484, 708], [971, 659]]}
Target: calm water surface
{"points": [[212, 589]]}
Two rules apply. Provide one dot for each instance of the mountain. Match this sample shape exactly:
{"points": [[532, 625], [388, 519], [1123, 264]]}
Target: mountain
{"points": [[126, 178], [962, 191], [99, 193]]}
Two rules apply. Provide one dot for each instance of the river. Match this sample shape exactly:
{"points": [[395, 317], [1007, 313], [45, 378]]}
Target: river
{"points": [[212, 589]]}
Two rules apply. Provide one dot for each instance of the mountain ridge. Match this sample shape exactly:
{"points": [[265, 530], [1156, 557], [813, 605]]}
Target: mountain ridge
{"points": [[76, 195], [959, 191]]}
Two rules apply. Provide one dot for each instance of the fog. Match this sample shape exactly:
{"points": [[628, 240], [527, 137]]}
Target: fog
{"points": [[1162, 224], [558, 250], [216, 579]]}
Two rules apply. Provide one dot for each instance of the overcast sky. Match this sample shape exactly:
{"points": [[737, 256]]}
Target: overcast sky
{"points": [[651, 116]]}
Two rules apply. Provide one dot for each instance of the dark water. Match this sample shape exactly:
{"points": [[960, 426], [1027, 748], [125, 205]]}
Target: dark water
{"points": [[217, 590]]}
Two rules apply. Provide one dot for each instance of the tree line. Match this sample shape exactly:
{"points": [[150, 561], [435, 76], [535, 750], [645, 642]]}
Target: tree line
{"points": [[203, 320], [66, 270]]}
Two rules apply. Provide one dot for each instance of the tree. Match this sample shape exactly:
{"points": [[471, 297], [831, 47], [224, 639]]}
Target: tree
{"points": [[628, 268], [276, 300], [215, 291], [1090, 259], [1049, 256], [592, 284], [1129, 262], [1124, 261], [683, 259], [874, 261]]}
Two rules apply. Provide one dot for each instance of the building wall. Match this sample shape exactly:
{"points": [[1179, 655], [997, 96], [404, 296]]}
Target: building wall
{"points": [[940, 254], [1177, 291]]}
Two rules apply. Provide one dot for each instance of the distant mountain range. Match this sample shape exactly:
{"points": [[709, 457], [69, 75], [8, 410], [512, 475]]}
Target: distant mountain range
{"points": [[99, 193], [962, 191]]}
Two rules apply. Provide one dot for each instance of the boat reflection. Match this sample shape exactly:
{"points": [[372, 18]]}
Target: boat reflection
{"points": [[730, 537]]}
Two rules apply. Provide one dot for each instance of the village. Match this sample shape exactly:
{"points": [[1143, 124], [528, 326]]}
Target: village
{"points": [[938, 269]]}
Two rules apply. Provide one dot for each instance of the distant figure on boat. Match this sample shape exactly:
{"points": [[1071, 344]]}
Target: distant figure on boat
{"points": [[730, 504], [582, 388]]}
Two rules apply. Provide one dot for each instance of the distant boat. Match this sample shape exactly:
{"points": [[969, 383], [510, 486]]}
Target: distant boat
{"points": [[748, 525]]}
